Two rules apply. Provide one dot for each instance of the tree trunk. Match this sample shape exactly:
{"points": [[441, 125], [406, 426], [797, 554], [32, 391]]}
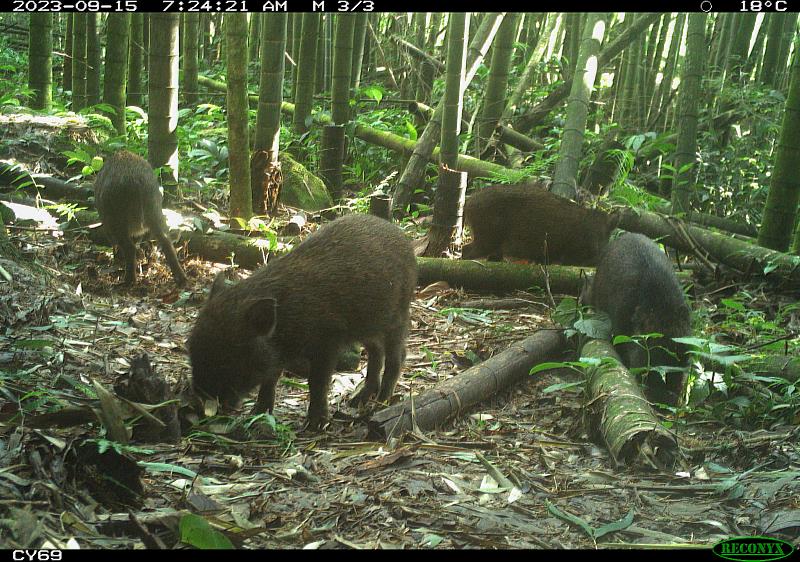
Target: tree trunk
{"points": [[741, 46], [500, 277], [93, 48], [321, 57], [40, 60], [146, 42], [686, 149], [663, 96], [448, 211], [190, 57], [454, 94], [789, 31], [162, 139], [254, 36], [757, 52], [569, 50], [297, 30], [359, 36], [136, 62], [67, 80], [720, 45], [342, 67], [304, 92], [497, 85], [116, 68], [79, 61], [273, 66], [564, 179], [655, 67], [270, 93], [780, 210], [721, 248], [331, 156], [241, 202]]}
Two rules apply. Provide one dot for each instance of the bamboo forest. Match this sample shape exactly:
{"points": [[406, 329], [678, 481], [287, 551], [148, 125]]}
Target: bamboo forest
{"points": [[393, 280]]}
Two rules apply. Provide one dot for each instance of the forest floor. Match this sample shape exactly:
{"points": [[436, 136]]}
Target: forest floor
{"points": [[66, 324]]}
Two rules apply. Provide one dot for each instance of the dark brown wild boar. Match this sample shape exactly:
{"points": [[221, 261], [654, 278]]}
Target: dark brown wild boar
{"points": [[637, 287], [351, 281], [526, 221], [128, 199]]}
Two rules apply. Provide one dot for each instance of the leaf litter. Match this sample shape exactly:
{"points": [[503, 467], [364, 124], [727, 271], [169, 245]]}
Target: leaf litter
{"points": [[516, 472]]}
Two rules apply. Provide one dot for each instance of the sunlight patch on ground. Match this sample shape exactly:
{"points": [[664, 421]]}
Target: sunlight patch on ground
{"points": [[25, 212]]}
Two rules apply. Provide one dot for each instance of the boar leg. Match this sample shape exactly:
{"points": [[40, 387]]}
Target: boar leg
{"points": [[395, 355], [319, 380], [375, 355]]}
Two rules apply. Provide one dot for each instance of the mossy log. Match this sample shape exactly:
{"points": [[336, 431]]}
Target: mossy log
{"points": [[722, 223], [618, 415], [13, 179], [459, 393], [721, 248], [499, 276], [221, 247]]}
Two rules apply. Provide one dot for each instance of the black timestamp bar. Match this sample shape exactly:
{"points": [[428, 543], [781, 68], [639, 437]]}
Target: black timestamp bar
{"points": [[76, 6], [207, 6]]}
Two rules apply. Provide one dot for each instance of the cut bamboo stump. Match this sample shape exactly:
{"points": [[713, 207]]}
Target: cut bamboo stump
{"points": [[459, 393], [380, 205]]}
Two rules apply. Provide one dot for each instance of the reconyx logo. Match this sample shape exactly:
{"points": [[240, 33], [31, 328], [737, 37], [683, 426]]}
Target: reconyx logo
{"points": [[752, 549]]}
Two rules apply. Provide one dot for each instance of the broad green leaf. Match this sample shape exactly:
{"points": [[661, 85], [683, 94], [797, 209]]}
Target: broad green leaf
{"points": [[197, 532]]}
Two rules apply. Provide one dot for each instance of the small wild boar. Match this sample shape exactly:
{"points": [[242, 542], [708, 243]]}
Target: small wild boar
{"points": [[526, 221], [128, 200], [637, 287], [351, 281]]}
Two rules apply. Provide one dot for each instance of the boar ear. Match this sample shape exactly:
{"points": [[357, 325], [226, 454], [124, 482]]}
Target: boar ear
{"points": [[218, 286], [262, 315]]}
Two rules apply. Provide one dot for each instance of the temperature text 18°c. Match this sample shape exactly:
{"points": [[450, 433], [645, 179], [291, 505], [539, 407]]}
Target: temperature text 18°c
{"points": [[762, 5]]}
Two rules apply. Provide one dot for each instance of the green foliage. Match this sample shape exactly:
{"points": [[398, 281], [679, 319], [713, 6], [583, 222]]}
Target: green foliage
{"points": [[104, 445], [40, 399], [358, 204], [203, 139], [65, 210], [471, 316], [197, 532], [232, 431], [635, 197], [370, 165], [736, 161], [91, 164], [592, 532], [136, 127], [14, 89], [578, 320], [372, 91], [728, 389], [754, 327]]}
